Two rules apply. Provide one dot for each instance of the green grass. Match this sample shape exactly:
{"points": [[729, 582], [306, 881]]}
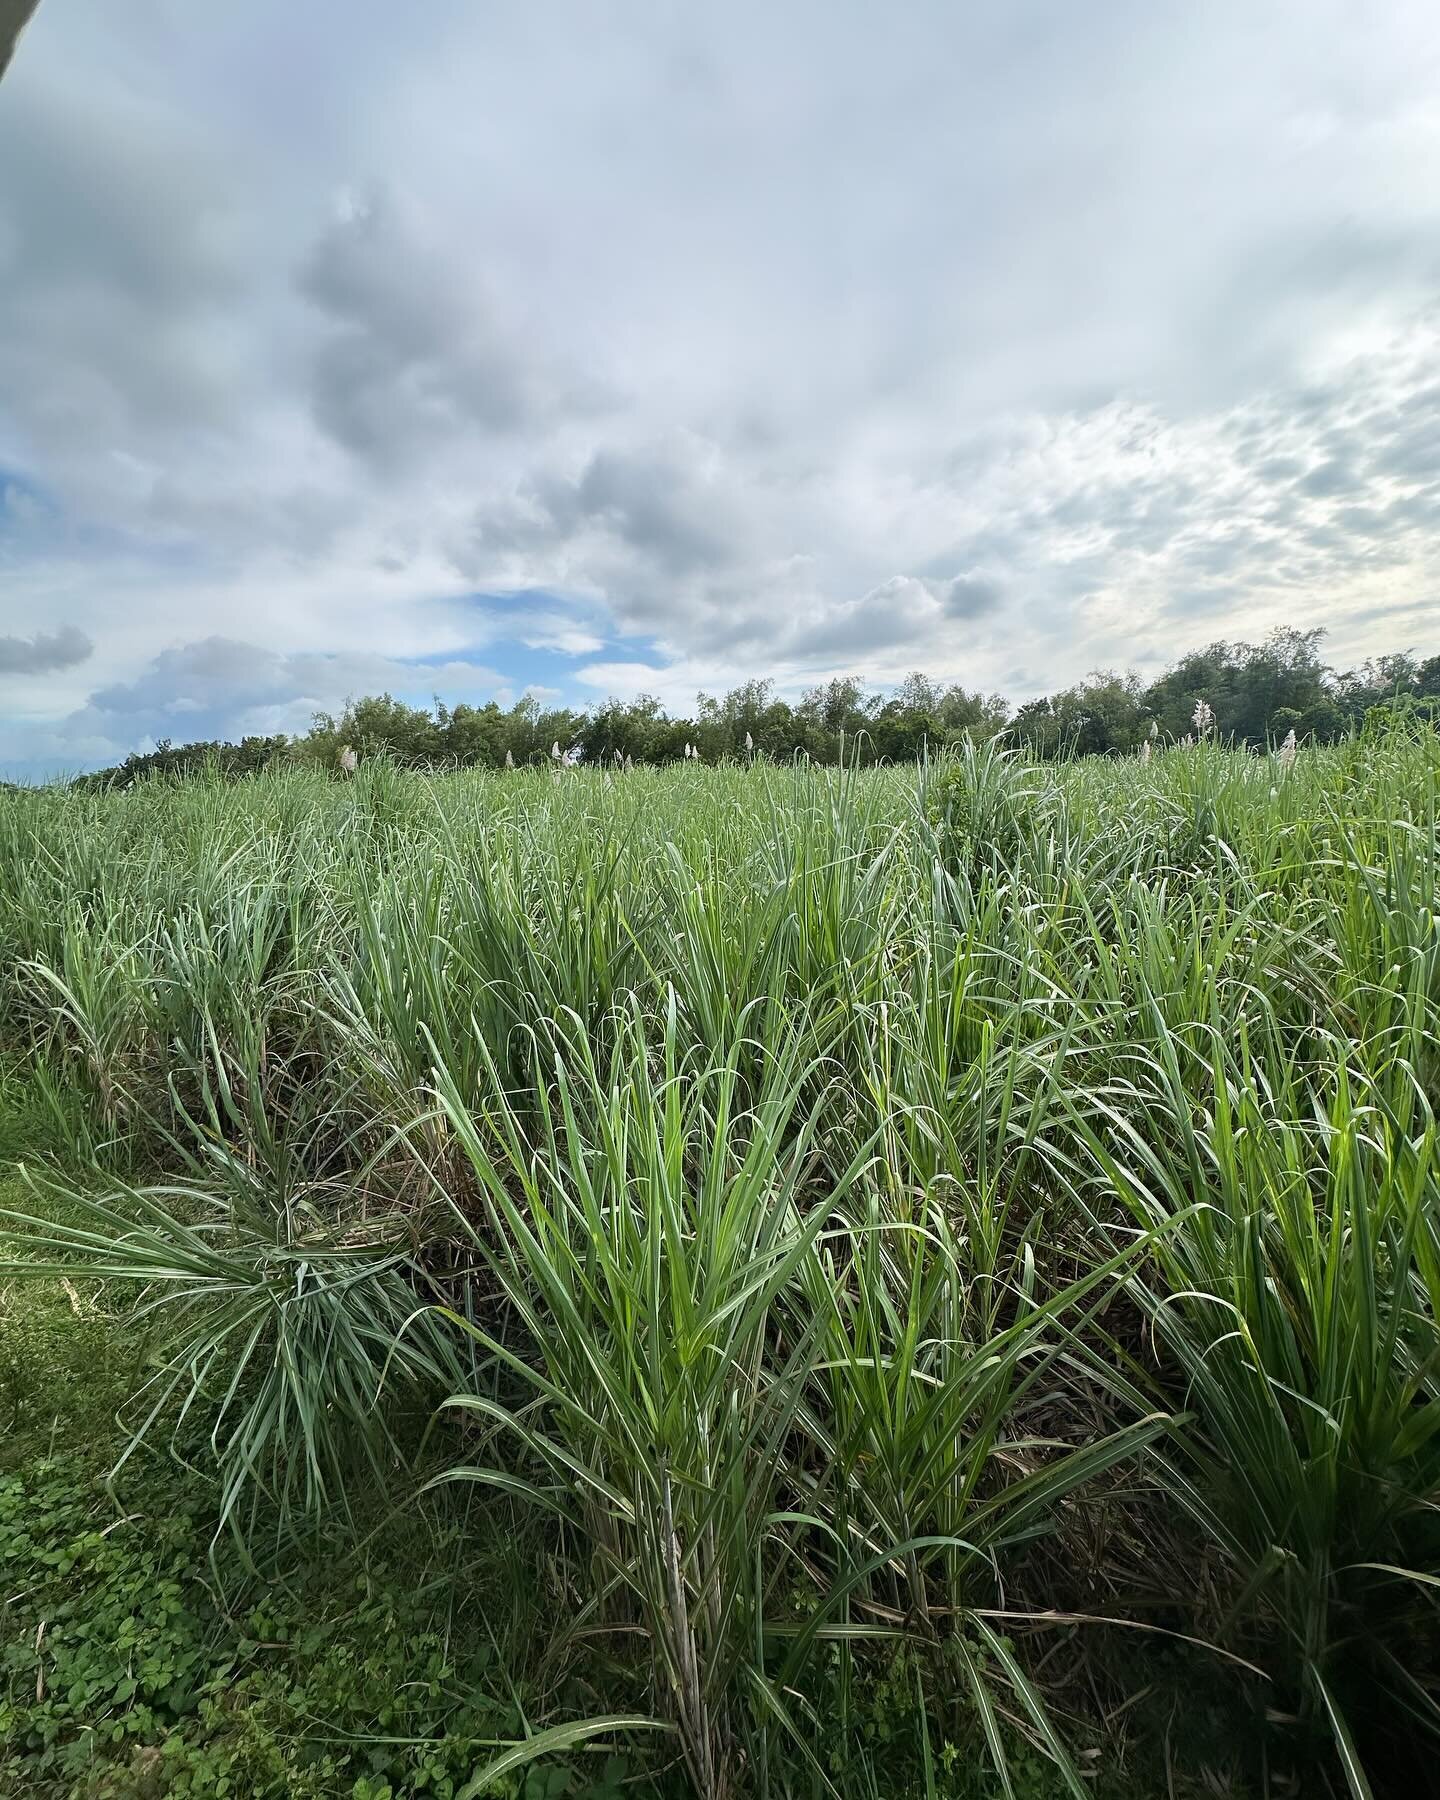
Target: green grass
{"points": [[892, 1282], [137, 1661]]}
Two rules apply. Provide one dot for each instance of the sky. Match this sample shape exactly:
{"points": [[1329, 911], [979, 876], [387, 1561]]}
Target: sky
{"points": [[477, 349]]}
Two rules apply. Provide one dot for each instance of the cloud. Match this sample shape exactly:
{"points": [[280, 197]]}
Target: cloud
{"points": [[660, 527], [225, 687], [969, 597], [897, 611], [412, 354], [1329, 478], [664, 504], [894, 621], [60, 649], [114, 271], [672, 358]]}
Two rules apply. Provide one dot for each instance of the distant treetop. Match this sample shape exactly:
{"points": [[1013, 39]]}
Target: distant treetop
{"points": [[1253, 694]]}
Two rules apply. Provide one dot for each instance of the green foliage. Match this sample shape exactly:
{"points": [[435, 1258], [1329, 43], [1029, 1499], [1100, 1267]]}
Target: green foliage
{"points": [[865, 1222], [212, 760], [279, 1325], [126, 1671], [1402, 715], [1258, 692], [984, 803]]}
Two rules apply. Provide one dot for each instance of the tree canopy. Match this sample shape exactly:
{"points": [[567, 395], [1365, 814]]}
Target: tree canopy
{"points": [[1257, 693]]}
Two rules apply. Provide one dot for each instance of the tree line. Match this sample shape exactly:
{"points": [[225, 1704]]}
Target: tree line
{"points": [[1257, 693]]}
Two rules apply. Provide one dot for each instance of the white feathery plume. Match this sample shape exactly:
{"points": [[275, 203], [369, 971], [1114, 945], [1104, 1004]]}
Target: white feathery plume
{"points": [[509, 760], [1289, 750], [1203, 717], [749, 741], [555, 751], [1154, 730], [1145, 751]]}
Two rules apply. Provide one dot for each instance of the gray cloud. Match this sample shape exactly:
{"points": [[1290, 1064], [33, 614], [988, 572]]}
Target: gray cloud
{"points": [[1327, 479], [225, 687], [226, 674], [894, 620], [1200, 603], [679, 347], [1412, 452], [216, 672], [111, 264], [969, 597], [658, 504], [1280, 468], [413, 354], [60, 649]]}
